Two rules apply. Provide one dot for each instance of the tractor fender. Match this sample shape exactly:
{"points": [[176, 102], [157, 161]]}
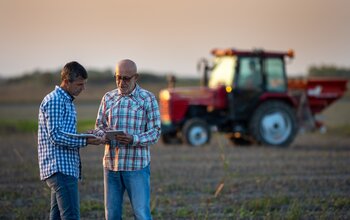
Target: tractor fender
{"points": [[284, 97]]}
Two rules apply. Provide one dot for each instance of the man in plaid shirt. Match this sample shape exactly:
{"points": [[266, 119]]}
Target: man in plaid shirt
{"points": [[127, 157], [58, 153]]}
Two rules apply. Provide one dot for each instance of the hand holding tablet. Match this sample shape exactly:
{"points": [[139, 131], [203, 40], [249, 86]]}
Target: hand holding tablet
{"points": [[111, 134]]}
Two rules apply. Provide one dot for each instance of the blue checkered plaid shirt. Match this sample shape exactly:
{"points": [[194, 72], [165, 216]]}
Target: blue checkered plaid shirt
{"points": [[58, 152], [138, 115]]}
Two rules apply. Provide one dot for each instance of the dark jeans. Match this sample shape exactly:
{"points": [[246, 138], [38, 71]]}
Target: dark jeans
{"points": [[64, 196]]}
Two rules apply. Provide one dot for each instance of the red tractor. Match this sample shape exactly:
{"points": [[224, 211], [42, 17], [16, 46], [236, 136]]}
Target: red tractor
{"points": [[247, 96]]}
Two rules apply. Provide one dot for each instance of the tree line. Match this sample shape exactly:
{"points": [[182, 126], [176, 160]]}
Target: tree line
{"points": [[95, 77], [329, 71], [106, 76]]}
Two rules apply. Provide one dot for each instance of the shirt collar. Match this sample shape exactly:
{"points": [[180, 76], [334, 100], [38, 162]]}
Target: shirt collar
{"points": [[133, 93], [64, 93]]}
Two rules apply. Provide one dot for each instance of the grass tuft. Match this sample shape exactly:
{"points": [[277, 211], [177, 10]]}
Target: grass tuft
{"points": [[91, 205]]}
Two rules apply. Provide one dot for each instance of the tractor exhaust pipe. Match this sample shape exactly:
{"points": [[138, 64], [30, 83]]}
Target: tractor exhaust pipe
{"points": [[203, 69]]}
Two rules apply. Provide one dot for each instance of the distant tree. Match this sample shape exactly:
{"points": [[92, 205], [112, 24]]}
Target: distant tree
{"points": [[329, 70], [38, 77], [96, 78], [147, 77], [100, 77]]}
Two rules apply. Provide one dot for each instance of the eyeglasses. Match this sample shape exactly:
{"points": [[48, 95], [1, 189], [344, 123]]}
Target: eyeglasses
{"points": [[124, 78]]}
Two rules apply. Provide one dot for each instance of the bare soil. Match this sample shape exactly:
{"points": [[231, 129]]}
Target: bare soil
{"points": [[308, 180]]}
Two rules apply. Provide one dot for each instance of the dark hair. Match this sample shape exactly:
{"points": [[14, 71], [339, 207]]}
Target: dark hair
{"points": [[72, 71]]}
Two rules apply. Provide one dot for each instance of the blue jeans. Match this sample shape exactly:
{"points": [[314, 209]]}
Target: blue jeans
{"points": [[64, 196], [137, 185]]}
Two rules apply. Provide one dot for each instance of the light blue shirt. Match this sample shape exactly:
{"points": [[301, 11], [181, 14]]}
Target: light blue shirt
{"points": [[58, 152]]}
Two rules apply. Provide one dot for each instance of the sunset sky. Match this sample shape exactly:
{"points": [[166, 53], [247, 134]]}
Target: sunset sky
{"points": [[168, 36]]}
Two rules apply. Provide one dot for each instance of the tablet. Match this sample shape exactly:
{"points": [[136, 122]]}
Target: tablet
{"points": [[84, 135], [111, 134]]}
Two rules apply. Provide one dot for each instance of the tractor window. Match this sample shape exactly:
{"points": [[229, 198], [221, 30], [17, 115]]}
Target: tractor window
{"points": [[223, 71], [275, 76], [249, 73]]}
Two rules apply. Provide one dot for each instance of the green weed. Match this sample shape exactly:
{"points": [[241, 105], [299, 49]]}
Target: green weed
{"points": [[84, 125], [183, 212], [18, 126], [91, 205], [31, 126]]}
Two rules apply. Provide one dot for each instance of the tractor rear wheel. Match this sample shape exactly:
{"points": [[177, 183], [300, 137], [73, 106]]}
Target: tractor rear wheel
{"points": [[274, 123], [196, 132]]}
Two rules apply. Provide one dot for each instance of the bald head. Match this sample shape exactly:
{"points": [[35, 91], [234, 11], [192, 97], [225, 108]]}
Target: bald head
{"points": [[127, 66], [126, 76]]}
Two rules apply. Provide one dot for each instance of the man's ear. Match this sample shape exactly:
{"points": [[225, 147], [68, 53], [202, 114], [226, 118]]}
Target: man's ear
{"points": [[65, 82], [137, 76]]}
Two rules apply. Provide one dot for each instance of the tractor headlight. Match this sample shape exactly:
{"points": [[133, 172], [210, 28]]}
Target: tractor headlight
{"points": [[228, 89], [164, 95]]}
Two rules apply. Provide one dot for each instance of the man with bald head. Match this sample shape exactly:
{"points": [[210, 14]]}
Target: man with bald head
{"points": [[127, 157]]}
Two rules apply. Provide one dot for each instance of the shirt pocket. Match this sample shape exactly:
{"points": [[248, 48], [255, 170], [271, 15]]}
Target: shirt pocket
{"points": [[138, 115]]}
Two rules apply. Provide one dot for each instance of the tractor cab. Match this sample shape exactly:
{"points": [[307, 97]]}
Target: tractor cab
{"points": [[247, 76]]}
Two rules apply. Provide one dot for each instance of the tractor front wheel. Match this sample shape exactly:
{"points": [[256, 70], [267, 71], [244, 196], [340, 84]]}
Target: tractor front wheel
{"points": [[196, 132]]}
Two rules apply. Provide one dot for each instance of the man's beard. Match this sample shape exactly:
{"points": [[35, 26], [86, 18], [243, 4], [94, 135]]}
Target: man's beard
{"points": [[123, 91]]}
